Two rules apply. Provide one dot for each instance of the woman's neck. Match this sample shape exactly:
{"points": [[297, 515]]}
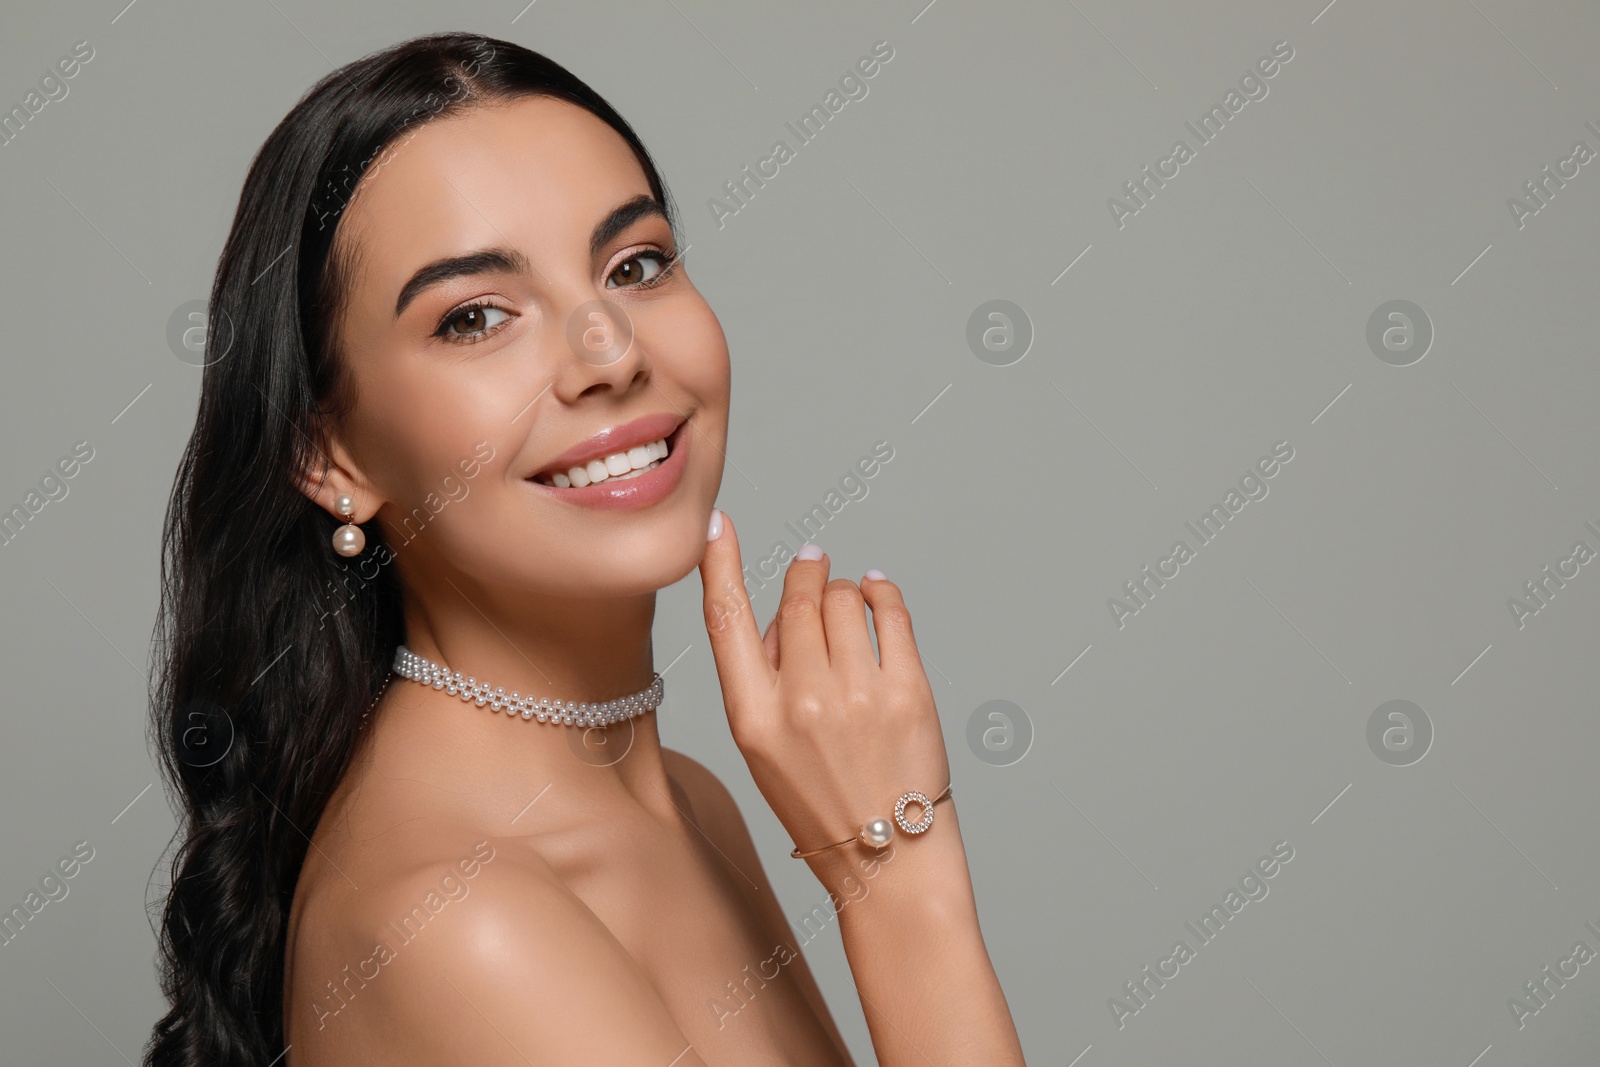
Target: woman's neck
{"points": [[587, 652], [566, 650]]}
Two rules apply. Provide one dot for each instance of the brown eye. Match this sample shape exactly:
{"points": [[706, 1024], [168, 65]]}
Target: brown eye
{"points": [[472, 323], [632, 272], [470, 320]]}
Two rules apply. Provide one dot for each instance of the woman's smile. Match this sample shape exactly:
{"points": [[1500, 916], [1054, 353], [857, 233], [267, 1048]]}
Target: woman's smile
{"points": [[631, 466]]}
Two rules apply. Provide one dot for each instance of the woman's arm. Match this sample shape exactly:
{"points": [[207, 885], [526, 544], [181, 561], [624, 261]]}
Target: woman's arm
{"points": [[922, 972], [833, 734]]}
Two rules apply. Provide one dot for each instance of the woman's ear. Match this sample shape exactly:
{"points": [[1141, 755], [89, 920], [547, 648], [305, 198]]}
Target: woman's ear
{"points": [[329, 472]]}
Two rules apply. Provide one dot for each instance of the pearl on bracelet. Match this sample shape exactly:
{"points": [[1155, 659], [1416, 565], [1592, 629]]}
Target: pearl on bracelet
{"points": [[876, 833]]}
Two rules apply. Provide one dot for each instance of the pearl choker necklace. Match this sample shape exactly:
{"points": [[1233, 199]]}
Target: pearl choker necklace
{"points": [[408, 664]]}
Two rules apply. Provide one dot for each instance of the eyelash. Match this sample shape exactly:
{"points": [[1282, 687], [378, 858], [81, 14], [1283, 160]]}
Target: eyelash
{"points": [[669, 260]]}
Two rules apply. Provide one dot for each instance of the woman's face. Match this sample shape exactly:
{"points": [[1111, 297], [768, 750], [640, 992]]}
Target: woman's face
{"points": [[494, 370]]}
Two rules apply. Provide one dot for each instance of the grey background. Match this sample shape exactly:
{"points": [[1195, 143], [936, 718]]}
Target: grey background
{"points": [[1227, 315]]}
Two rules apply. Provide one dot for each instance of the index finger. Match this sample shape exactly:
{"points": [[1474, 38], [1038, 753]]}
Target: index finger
{"points": [[736, 643]]}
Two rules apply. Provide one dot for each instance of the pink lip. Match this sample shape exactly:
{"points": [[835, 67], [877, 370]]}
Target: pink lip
{"points": [[636, 492], [640, 431]]}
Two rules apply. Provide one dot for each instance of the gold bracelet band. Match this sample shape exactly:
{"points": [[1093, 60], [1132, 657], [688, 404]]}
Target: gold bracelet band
{"points": [[877, 833]]}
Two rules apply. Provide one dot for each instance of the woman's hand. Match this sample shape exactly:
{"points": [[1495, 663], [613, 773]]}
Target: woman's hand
{"points": [[833, 735]]}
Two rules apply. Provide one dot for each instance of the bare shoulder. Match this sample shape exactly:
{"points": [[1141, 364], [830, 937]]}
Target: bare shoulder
{"points": [[483, 958], [718, 816], [709, 797]]}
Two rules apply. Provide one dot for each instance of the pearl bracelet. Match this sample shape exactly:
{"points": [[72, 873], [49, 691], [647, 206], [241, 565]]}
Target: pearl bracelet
{"points": [[877, 833]]}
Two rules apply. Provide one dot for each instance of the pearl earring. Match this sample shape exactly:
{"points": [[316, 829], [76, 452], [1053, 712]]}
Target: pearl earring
{"points": [[348, 540]]}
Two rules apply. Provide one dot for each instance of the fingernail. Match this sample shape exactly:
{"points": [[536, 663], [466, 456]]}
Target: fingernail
{"points": [[714, 531], [809, 552], [875, 574]]}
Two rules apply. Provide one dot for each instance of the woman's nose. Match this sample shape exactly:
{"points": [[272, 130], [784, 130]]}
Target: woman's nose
{"points": [[599, 347]]}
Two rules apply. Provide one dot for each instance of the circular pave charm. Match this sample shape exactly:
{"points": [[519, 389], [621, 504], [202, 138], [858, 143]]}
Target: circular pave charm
{"points": [[921, 824]]}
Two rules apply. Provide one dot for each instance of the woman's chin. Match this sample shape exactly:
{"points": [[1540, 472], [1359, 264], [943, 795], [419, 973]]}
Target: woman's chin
{"points": [[609, 568]]}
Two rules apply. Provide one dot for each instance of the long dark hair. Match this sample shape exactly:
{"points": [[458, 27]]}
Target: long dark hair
{"points": [[269, 647]]}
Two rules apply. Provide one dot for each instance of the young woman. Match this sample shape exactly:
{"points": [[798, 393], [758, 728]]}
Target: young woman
{"points": [[463, 415]]}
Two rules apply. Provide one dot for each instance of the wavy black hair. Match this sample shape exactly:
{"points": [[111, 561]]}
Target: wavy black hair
{"points": [[269, 648]]}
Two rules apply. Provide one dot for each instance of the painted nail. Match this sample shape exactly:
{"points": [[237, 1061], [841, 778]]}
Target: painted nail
{"points": [[875, 574], [714, 531], [809, 552]]}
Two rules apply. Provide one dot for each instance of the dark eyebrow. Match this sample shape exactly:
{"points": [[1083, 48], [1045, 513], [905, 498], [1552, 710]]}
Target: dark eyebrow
{"points": [[510, 261], [484, 261], [622, 216]]}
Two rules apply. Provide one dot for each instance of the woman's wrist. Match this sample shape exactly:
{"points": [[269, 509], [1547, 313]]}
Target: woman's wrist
{"points": [[911, 935], [929, 868]]}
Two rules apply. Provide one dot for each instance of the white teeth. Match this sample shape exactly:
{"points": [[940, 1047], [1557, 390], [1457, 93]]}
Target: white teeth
{"points": [[618, 465], [634, 474]]}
